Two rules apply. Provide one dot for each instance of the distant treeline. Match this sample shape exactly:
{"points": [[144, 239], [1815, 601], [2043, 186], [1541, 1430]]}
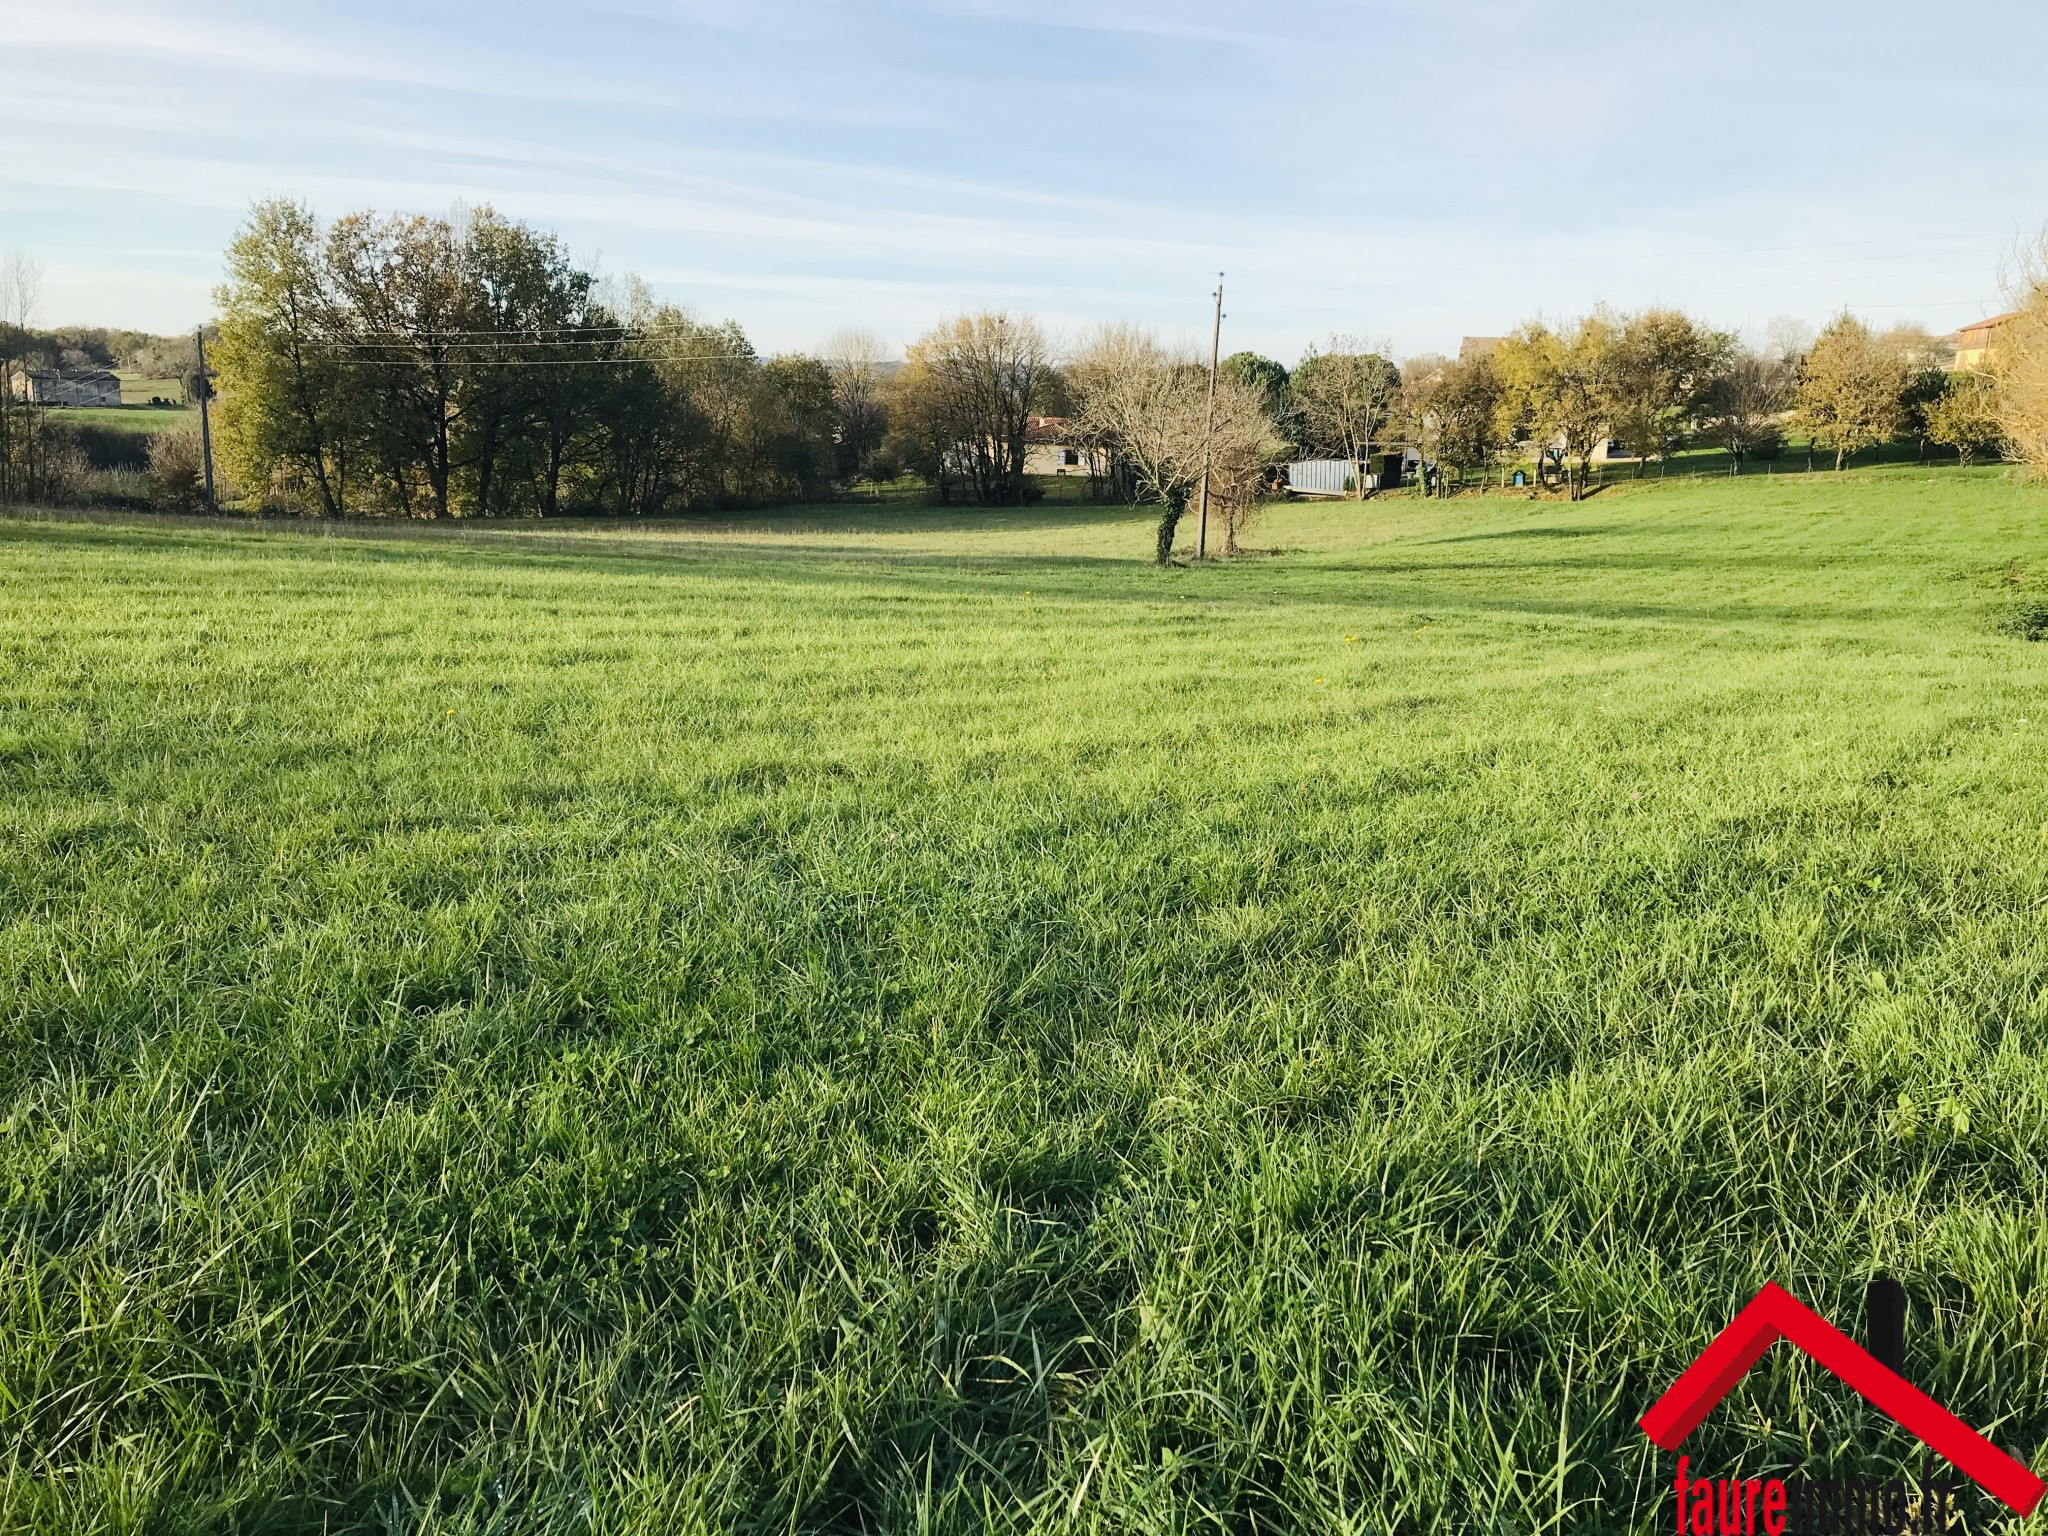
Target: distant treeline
{"points": [[424, 367], [428, 367], [77, 348], [1658, 381]]}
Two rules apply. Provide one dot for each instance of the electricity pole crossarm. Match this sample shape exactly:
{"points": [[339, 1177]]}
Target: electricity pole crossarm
{"points": [[1209, 423]]}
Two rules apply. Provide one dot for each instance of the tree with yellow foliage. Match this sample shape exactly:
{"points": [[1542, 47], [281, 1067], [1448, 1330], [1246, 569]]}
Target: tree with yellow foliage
{"points": [[1558, 388], [1853, 394], [2020, 367]]}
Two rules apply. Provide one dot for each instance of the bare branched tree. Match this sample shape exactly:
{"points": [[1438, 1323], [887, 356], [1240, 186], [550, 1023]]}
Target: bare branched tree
{"points": [[1787, 340], [966, 392], [21, 282], [859, 363], [1144, 405], [1147, 407], [1345, 398], [1244, 444], [1744, 402]]}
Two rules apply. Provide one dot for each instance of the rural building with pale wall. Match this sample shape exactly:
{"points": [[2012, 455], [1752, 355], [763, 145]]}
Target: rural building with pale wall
{"points": [[46, 387], [1052, 446], [1976, 343]]}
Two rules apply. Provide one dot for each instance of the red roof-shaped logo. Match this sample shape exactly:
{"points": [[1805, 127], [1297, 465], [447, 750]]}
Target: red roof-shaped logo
{"points": [[1776, 1314]]}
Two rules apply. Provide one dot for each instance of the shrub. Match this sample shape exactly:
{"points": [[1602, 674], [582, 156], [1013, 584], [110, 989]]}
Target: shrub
{"points": [[2025, 621], [104, 448], [65, 475], [177, 470], [1966, 416]]}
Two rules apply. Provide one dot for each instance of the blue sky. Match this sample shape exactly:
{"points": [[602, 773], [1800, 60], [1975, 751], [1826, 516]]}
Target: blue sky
{"points": [[1411, 170]]}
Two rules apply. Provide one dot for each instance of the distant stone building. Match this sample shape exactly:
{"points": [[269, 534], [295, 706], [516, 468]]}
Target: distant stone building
{"points": [[1052, 446], [67, 387]]}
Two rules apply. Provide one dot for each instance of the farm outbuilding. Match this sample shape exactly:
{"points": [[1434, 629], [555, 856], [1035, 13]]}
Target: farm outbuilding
{"points": [[1343, 477], [67, 387]]}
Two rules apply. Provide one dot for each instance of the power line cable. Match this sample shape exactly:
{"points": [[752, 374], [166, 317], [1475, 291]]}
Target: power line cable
{"points": [[528, 362]]}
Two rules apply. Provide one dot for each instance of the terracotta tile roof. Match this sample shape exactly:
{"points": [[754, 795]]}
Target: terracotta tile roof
{"points": [[1985, 327]]}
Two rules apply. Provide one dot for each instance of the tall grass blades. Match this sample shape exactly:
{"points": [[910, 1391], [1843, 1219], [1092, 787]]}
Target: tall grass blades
{"points": [[893, 1021]]}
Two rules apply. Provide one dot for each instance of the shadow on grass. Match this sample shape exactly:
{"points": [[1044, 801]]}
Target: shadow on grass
{"points": [[1600, 530], [812, 518], [1347, 582]]}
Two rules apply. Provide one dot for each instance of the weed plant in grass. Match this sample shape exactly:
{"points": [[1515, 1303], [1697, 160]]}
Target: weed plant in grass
{"points": [[900, 1021]]}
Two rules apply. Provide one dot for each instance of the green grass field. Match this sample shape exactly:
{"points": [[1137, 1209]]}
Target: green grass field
{"points": [[130, 417], [881, 1020], [141, 388]]}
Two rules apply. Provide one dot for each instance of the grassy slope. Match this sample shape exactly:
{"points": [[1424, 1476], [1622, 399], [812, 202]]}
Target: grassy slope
{"points": [[900, 1020], [142, 418], [140, 388]]}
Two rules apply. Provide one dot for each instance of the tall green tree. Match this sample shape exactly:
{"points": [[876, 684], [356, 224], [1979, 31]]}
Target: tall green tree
{"points": [[579, 403], [416, 315], [1265, 376], [285, 426], [1660, 364], [1853, 394], [1967, 415], [1925, 359], [1558, 388], [710, 375], [287, 418], [793, 420], [530, 304]]}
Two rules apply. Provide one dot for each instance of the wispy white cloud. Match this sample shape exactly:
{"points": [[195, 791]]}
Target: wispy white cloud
{"points": [[100, 29], [252, 56], [1413, 167], [1180, 23]]}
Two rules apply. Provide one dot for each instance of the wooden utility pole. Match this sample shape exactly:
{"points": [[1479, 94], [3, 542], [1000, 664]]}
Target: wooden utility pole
{"points": [[206, 418], [1209, 423]]}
